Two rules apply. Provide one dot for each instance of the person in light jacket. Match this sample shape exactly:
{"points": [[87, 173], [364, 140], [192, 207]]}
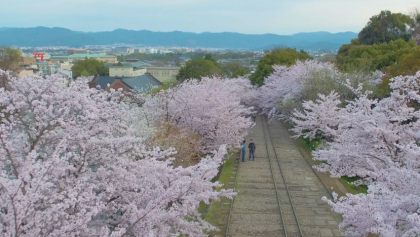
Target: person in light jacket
{"points": [[243, 150]]}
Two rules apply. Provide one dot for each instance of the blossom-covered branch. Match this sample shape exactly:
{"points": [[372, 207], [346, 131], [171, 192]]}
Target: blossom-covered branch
{"points": [[73, 163], [211, 107], [377, 141]]}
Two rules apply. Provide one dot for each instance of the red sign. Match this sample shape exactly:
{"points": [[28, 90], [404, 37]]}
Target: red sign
{"points": [[39, 56]]}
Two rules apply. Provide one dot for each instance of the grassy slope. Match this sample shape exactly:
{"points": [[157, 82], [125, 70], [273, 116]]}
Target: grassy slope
{"points": [[217, 212]]}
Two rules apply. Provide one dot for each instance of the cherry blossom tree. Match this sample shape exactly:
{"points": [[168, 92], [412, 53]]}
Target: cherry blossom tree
{"points": [[379, 142], [242, 88], [288, 87], [286, 83], [390, 208], [73, 163], [319, 119], [210, 107]]}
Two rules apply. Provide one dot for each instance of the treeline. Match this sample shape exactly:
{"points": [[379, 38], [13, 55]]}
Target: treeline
{"points": [[387, 43], [89, 67], [208, 66]]}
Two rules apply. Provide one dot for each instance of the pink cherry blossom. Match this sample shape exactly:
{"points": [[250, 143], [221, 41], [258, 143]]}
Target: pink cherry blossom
{"points": [[211, 107], [73, 163], [378, 141]]}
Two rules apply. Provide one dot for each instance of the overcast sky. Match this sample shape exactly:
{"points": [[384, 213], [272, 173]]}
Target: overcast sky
{"points": [[245, 16]]}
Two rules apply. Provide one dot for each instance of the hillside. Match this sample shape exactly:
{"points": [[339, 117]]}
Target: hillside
{"points": [[43, 36]]}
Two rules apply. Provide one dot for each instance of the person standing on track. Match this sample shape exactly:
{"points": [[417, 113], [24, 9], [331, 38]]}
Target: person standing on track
{"points": [[243, 150], [251, 147]]}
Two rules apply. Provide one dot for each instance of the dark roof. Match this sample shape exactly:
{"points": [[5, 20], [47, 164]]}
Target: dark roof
{"points": [[141, 83], [103, 81]]}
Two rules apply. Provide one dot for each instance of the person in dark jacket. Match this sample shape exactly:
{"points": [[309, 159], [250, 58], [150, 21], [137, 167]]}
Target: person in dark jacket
{"points": [[251, 147]]}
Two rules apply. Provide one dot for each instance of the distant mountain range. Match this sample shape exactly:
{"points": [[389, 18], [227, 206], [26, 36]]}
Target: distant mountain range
{"points": [[44, 36]]}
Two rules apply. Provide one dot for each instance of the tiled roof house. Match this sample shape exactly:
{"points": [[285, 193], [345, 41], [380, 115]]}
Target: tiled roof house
{"points": [[140, 84]]}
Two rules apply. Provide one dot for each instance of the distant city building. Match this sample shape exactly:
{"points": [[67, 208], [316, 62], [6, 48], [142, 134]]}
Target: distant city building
{"points": [[160, 73], [163, 73], [76, 50], [66, 69], [140, 84], [47, 68], [135, 63], [66, 66], [40, 56], [152, 50], [81, 56], [126, 71], [131, 50], [66, 73]]}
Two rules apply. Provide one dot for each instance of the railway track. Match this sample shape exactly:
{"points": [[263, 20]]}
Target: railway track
{"points": [[290, 221], [279, 194]]}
